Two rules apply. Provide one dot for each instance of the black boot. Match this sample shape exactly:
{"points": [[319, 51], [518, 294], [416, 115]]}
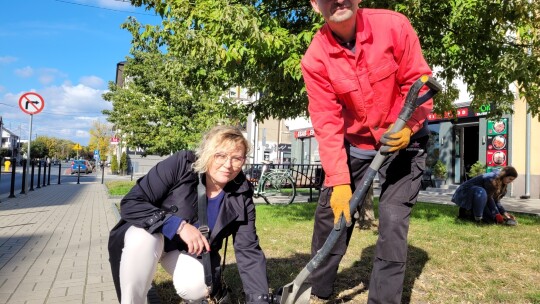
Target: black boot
{"points": [[464, 214]]}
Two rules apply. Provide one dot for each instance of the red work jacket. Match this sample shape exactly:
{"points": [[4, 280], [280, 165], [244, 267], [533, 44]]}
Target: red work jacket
{"points": [[354, 97]]}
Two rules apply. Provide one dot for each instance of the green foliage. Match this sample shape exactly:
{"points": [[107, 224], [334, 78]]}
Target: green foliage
{"points": [[491, 45], [169, 99], [114, 165], [439, 170], [476, 169], [123, 163], [4, 153], [38, 148]]}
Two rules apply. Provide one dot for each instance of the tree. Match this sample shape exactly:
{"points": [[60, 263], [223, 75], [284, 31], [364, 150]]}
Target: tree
{"points": [[114, 165], [100, 137], [123, 163], [492, 45], [165, 104]]}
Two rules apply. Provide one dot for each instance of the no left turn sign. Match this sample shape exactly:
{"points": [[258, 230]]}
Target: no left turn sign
{"points": [[31, 103]]}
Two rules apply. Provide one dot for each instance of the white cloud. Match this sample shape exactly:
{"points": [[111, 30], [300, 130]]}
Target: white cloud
{"points": [[7, 59], [25, 72], [92, 81]]}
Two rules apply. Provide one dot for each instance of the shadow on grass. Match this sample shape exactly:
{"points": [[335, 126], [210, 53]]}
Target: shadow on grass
{"points": [[355, 280], [351, 281]]}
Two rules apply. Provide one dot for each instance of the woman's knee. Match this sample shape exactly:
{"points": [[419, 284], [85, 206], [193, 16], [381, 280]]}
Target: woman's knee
{"points": [[188, 279], [479, 193]]}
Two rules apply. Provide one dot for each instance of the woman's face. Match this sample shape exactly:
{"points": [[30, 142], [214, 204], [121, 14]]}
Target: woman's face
{"points": [[225, 165], [507, 180]]}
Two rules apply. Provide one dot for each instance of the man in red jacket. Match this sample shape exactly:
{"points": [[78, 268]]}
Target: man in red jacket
{"points": [[358, 70]]}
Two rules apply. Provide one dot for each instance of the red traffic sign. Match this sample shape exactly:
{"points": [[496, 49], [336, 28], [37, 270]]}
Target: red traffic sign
{"points": [[31, 103]]}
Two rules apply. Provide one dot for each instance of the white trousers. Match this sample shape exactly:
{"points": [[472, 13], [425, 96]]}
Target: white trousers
{"points": [[140, 256]]}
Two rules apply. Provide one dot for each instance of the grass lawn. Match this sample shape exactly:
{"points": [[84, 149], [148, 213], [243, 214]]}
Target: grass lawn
{"points": [[449, 261]]}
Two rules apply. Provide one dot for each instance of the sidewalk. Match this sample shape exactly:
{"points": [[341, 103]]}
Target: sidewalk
{"points": [[53, 243]]}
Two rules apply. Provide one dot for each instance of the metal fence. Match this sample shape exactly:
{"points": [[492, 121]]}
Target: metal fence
{"points": [[304, 176]]}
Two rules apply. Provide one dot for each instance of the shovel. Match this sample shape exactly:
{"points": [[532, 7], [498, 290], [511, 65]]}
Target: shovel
{"points": [[298, 291]]}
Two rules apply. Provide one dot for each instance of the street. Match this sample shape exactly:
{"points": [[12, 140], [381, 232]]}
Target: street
{"points": [[63, 169]]}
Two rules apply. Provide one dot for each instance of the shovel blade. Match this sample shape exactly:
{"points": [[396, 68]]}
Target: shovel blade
{"points": [[295, 294]]}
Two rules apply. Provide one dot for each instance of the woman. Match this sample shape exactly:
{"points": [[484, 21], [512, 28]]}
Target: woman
{"points": [[159, 223], [481, 196]]}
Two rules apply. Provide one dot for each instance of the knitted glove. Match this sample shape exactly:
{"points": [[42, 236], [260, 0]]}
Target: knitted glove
{"points": [[396, 141], [499, 219], [339, 201]]}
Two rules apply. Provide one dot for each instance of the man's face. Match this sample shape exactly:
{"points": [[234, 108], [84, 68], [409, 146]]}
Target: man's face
{"points": [[336, 11]]}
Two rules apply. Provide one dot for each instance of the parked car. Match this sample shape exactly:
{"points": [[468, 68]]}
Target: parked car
{"points": [[82, 165]]}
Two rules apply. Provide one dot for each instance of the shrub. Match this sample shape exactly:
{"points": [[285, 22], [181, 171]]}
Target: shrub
{"points": [[114, 165], [476, 169], [439, 170], [123, 163]]}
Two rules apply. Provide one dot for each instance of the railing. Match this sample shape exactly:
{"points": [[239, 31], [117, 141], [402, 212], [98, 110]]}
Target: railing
{"points": [[304, 176]]}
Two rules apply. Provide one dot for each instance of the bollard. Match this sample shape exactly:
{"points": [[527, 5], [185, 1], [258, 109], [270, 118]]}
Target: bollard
{"points": [[44, 174], [32, 176], [23, 184], [131, 173], [39, 175], [49, 176], [78, 174], [59, 171], [12, 188], [102, 171]]}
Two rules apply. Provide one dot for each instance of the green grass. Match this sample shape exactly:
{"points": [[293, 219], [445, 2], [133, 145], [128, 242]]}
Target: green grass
{"points": [[119, 188], [449, 260]]}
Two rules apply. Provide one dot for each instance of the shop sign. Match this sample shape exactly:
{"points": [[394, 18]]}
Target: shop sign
{"points": [[460, 112], [304, 133], [497, 144], [284, 147]]}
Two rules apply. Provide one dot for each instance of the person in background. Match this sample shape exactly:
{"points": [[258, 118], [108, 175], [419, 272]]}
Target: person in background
{"points": [[358, 69], [479, 198], [159, 223]]}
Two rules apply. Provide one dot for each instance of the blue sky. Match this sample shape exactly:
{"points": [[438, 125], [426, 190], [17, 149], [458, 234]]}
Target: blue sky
{"points": [[66, 51]]}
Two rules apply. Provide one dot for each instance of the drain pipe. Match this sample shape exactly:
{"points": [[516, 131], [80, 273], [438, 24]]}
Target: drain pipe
{"points": [[527, 194]]}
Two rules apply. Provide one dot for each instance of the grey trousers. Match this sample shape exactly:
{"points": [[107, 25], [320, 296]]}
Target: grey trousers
{"points": [[400, 178]]}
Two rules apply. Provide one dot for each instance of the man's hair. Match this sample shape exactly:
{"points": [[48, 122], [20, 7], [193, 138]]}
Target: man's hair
{"points": [[226, 137]]}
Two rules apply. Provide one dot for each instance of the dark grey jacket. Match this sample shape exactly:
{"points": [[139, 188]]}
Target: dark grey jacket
{"points": [[171, 185]]}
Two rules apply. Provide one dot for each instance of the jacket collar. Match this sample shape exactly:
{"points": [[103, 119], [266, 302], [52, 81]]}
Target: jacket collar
{"points": [[363, 33]]}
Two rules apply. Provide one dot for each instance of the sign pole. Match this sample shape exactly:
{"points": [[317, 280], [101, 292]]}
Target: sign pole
{"points": [[29, 156], [30, 103]]}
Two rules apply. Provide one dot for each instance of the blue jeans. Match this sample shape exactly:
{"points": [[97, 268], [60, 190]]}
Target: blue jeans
{"points": [[479, 201]]}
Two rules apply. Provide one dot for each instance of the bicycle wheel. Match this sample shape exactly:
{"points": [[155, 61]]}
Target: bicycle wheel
{"points": [[278, 190]]}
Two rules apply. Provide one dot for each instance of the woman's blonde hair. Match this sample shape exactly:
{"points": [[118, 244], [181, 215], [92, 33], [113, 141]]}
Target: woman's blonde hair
{"points": [[219, 136]]}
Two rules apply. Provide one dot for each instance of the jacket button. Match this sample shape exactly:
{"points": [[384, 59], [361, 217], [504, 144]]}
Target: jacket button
{"points": [[376, 128]]}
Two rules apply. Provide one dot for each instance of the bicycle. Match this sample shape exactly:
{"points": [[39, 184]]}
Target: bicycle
{"points": [[275, 186]]}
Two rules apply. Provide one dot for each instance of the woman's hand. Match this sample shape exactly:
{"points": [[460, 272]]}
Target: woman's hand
{"points": [[194, 239], [509, 216]]}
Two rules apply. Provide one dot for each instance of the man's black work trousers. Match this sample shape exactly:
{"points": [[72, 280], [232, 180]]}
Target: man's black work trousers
{"points": [[400, 179]]}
